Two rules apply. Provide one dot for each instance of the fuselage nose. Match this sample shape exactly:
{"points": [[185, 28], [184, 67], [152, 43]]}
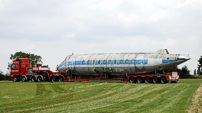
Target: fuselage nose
{"points": [[59, 67], [184, 57]]}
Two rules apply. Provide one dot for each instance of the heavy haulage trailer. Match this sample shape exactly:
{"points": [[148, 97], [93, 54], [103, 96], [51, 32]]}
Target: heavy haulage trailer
{"points": [[21, 71]]}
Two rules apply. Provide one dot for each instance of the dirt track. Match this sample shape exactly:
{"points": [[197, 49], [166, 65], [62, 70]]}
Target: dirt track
{"points": [[196, 101]]}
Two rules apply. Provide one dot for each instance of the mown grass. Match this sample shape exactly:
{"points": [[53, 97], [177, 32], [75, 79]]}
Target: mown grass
{"points": [[97, 96]]}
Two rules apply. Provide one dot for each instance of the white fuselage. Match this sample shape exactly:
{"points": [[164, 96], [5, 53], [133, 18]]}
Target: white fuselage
{"points": [[119, 63]]}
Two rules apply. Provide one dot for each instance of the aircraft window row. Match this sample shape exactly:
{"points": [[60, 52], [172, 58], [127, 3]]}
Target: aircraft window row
{"points": [[133, 61], [109, 62], [126, 61]]}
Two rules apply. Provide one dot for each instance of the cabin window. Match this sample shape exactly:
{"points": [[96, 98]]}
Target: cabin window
{"points": [[99, 62], [126, 61], [93, 61], [109, 62], [114, 61], [88, 62], [104, 62], [13, 66], [83, 62], [121, 61], [133, 61]]}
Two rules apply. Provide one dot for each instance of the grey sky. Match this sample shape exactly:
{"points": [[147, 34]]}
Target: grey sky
{"points": [[55, 29]]}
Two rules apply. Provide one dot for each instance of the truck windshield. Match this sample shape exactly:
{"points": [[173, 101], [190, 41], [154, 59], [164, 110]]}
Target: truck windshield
{"points": [[13, 66]]}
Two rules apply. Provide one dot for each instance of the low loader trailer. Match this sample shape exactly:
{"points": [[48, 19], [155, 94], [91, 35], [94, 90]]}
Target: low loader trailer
{"points": [[22, 71], [153, 78]]}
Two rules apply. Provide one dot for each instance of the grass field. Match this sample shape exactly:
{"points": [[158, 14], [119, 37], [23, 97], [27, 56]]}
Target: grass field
{"points": [[184, 96]]}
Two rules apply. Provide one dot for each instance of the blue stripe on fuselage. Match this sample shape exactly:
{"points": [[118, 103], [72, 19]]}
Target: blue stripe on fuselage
{"points": [[169, 61], [104, 62]]}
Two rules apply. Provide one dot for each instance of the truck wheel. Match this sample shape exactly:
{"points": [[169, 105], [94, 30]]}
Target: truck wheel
{"points": [[154, 80], [33, 79], [131, 80], [60, 79], [147, 80], [23, 79], [175, 81], [39, 79], [163, 80], [139, 80], [15, 79], [53, 79]]}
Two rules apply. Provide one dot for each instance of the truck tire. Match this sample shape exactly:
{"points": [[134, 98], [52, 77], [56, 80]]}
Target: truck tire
{"points": [[139, 80], [60, 79], [52, 79], [15, 79], [154, 80], [147, 80], [39, 79], [175, 81], [131, 80], [23, 79], [163, 80], [33, 79]]}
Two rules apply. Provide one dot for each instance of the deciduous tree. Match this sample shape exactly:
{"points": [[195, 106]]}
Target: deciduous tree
{"points": [[1, 75], [31, 57], [194, 71], [199, 65], [184, 72]]}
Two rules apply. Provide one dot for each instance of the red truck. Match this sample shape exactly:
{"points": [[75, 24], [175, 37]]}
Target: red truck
{"points": [[21, 71]]}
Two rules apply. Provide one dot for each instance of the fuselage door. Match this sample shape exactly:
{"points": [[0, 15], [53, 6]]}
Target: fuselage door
{"points": [[139, 62], [71, 63]]}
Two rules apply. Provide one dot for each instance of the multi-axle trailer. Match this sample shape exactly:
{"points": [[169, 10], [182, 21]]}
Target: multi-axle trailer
{"points": [[21, 71]]}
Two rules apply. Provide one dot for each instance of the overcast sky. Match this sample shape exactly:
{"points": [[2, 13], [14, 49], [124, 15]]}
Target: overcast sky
{"points": [[56, 28]]}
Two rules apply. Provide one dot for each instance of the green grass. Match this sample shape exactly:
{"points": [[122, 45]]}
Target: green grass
{"points": [[97, 96]]}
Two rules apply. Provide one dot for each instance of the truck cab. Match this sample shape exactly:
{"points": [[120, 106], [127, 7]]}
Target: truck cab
{"points": [[19, 68]]}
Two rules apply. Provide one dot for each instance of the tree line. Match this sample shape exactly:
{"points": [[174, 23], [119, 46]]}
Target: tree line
{"points": [[184, 72], [4, 76], [198, 71]]}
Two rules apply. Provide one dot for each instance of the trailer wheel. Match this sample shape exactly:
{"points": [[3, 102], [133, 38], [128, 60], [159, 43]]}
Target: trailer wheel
{"points": [[33, 79], [163, 80], [147, 80], [60, 79], [131, 80], [15, 79], [155, 80], [139, 80], [52, 79], [23, 79], [39, 79]]}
